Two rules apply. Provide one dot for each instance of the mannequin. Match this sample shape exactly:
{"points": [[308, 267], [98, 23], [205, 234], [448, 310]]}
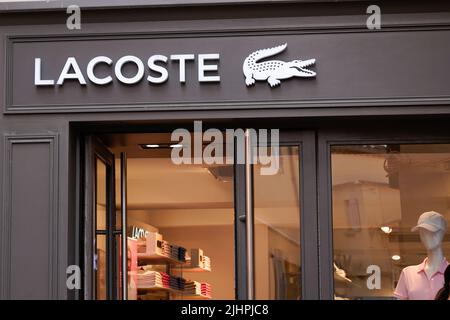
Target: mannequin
{"points": [[432, 241], [423, 281]]}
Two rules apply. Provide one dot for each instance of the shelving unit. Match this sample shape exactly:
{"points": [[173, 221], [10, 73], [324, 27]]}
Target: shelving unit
{"points": [[151, 257]]}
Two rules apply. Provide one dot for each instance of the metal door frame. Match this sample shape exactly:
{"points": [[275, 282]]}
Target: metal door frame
{"points": [[93, 150], [306, 141]]}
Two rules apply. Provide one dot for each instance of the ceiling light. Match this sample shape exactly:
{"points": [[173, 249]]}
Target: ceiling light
{"points": [[151, 145], [396, 257], [160, 145], [386, 229]]}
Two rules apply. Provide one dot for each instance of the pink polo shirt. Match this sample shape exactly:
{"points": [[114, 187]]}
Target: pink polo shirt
{"points": [[415, 285]]}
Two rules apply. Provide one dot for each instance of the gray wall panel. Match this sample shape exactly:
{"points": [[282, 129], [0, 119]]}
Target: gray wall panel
{"points": [[30, 217]]}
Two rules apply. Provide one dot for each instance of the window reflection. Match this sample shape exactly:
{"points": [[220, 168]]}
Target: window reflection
{"points": [[379, 192], [277, 229]]}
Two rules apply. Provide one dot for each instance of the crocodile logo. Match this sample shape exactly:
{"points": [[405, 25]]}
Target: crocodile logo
{"points": [[274, 70]]}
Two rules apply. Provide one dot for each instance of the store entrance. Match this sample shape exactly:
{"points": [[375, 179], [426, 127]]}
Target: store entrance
{"points": [[334, 220], [199, 230]]}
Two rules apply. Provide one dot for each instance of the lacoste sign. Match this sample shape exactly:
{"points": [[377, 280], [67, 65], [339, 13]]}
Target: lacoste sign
{"points": [[155, 63], [202, 71], [154, 69]]}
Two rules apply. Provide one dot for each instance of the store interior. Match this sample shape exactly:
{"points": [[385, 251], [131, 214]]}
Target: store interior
{"points": [[191, 206]]}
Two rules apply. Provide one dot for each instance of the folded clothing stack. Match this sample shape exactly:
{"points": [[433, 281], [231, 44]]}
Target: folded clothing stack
{"points": [[177, 283], [154, 244], [206, 289], [150, 279], [206, 263], [193, 287], [166, 279], [165, 248], [182, 254], [177, 253], [197, 288], [174, 252]]}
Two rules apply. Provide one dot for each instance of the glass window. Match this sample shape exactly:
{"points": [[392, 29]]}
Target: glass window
{"points": [[100, 267], [379, 192], [100, 241], [100, 195], [277, 229]]}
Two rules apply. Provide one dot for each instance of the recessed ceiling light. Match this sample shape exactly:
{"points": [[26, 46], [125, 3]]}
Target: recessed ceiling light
{"points": [[386, 229], [161, 145], [396, 257]]}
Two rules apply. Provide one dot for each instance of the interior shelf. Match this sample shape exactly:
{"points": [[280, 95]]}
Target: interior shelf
{"points": [[188, 268], [170, 290], [158, 288], [196, 297], [156, 258]]}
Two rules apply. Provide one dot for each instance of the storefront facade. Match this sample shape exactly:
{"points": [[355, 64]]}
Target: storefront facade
{"points": [[364, 143]]}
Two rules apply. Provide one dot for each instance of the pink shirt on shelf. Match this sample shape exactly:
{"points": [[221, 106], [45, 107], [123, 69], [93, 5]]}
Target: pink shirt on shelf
{"points": [[415, 285]]}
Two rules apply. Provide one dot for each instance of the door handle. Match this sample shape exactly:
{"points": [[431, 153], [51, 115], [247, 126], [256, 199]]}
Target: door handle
{"points": [[123, 215], [249, 218]]}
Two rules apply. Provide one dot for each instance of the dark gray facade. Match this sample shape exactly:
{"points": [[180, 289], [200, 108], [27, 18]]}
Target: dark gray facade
{"points": [[371, 85]]}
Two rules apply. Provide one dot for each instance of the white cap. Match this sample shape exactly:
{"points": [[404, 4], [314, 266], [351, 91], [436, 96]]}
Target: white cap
{"points": [[432, 221]]}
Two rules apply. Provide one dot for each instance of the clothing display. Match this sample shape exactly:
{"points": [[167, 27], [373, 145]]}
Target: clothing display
{"points": [[150, 279], [154, 245], [193, 287], [166, 251], [178, 253], [132, 267], [199, 260], [206, 289], [156, 254], [197, 288], [206, 263], [182, 254], [423, 281], [415, 285]]}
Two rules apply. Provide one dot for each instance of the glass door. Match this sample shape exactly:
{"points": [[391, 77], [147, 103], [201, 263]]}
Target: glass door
{"points": [[245, 229], [102, 236], [278, 217]]}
